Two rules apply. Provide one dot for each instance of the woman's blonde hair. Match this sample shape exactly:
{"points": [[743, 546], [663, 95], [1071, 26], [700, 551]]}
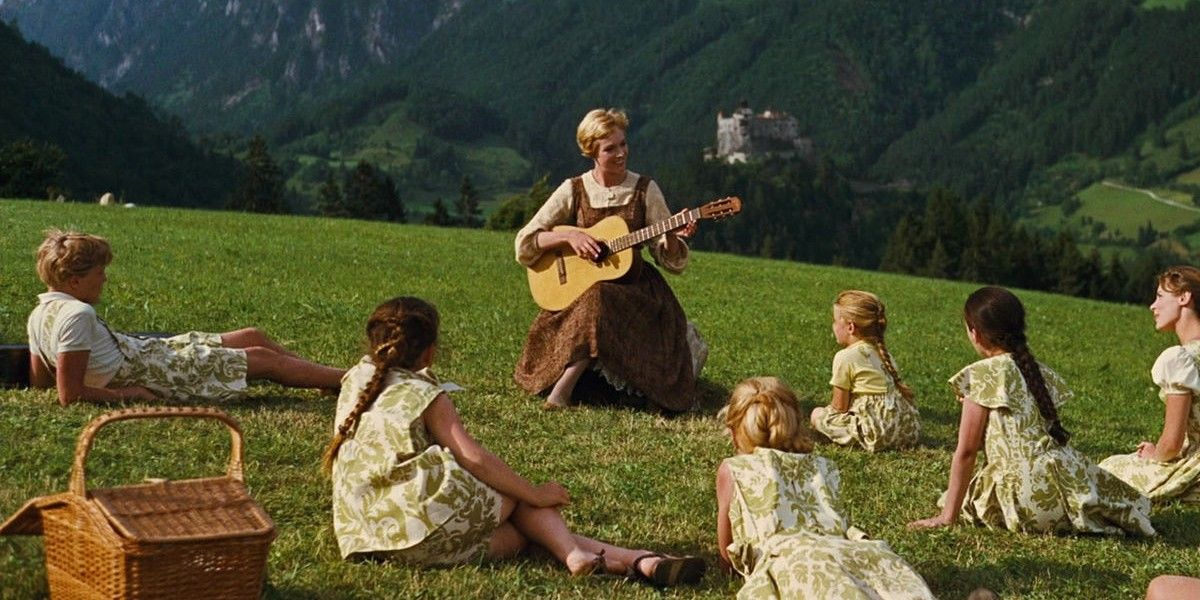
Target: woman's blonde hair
{"points": [[598, 124], [763, 413], [1181, 278], [66, 254], [869, 316], [399, 332]]}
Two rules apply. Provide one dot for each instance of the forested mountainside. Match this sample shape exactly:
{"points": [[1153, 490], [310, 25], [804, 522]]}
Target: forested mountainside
{"points": [[96, 141], [227, 65], [1085, 76]]}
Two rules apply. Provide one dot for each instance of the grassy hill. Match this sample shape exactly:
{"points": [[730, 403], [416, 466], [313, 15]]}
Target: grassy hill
{"points": [[635, 478]]}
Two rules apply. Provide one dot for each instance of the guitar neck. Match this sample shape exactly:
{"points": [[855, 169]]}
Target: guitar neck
{"points": [[632, 239]]}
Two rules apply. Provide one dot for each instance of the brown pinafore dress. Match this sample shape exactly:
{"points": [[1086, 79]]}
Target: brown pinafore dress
{"points": [[632, 328]]}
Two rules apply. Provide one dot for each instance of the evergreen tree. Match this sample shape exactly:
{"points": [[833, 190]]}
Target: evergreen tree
{"points": [[261, 188], [1185, 152], [330, 201], [440, 215], [391, 205], [939, 265], [467, 206], [899, 255], [517, 210], [362, 192], [28, 168]]}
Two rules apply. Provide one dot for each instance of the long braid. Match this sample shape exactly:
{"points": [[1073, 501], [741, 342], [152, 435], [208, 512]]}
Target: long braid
{"points": [[997, 316], [400, 330], [1032, 374], [890, 367]]}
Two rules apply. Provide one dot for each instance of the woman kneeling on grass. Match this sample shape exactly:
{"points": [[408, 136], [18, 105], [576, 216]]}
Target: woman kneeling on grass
{"points": [[1031, 480], [410, 484], [74, 350]]}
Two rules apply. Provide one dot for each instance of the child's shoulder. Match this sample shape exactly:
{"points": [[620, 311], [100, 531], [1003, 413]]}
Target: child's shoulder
{"points": [[66, 305], [860, 351]]}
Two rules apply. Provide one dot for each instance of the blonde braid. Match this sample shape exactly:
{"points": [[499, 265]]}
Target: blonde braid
{"points": [[890, 367]]}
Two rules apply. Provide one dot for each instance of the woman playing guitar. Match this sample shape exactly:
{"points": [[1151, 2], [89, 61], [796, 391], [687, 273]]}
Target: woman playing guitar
{"points": [[631, 330]]}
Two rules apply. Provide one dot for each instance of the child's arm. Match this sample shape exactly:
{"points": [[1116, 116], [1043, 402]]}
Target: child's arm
{"points": [[39, 374], [841, 400], [971, 427], [724, 532], [1170, 443], [72, 366], [447, 429]]}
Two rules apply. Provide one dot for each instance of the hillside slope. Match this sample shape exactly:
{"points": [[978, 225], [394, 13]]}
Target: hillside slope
{"points": [[635, 478], [112, 144]]}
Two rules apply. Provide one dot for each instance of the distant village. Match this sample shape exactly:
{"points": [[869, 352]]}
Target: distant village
{"points": [[745, 136]]}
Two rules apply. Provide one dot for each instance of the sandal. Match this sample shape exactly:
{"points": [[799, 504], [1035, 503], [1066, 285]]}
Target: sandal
{"points": [[669, 570]]}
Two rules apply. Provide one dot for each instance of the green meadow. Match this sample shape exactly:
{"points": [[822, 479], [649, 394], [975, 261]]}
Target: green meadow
{"points": [[636, 478]]}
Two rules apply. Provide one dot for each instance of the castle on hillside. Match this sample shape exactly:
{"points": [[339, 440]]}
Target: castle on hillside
{"points": [[745, 136]]}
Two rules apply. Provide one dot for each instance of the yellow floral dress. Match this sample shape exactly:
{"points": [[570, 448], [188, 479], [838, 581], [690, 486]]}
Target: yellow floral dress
{"points": [[1175, 372], [1028, 482], [398, 495], [879, 417], [790, 539]]}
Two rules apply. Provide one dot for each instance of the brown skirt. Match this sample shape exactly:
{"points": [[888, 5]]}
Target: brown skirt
{"points": [[633, 327]]}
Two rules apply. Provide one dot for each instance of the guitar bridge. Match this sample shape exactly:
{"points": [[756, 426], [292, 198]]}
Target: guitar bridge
{"points": [[562, 269]]}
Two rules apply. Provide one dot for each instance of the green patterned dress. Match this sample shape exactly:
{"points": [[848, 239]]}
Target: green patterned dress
{"points": [[396, 494], [790, 539], [1177, 371], [1028, 482], [880, 417]]}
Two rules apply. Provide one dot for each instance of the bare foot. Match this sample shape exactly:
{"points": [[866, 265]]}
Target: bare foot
{"points": [[553, 403], [582, 564]]}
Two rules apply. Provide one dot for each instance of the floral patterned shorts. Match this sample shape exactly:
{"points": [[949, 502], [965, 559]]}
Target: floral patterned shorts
{"points": [[187, 366]]}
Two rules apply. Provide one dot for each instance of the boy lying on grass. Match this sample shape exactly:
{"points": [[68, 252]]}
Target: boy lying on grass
{"points": [[74, 350]]}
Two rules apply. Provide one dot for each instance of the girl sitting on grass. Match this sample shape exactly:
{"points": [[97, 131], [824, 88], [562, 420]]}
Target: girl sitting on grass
{"points": [[1170, 467], [74, 350], [410, 484], [779, 519], [871, 406], [1030, 480]]}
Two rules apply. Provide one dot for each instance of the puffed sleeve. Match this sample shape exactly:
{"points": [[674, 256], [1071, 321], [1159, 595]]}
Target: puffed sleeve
{"points": [[985, 382], [1175, 372], [843, 370], [556, 211], [1056, 385], [656, 211]]}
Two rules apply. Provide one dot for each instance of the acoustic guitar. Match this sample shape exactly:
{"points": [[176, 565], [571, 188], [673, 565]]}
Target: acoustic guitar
{"points": [[560, 276]]}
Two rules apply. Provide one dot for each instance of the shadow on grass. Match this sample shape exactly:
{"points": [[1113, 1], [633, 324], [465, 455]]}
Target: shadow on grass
{"points": [[1019, 576], [593, 390], [1177, 525]]}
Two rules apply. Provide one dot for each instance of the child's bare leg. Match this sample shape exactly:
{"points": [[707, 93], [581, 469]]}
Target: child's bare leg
{"points": [[506, 541], [560, 395], [546, 528], [251, 337], [265, 363]]}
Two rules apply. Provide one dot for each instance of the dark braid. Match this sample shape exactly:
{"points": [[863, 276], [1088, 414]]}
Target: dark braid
{"points": [[998, 319], [399, 330]]}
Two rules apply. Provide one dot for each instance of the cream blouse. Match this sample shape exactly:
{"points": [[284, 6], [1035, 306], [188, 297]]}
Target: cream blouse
{"points": [[557, 211]]}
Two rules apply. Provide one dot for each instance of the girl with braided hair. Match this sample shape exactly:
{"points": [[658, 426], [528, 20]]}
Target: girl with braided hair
{"points": [[1030, 480], [410, 484], [871, 405], [1169, 468], [779, 519]]}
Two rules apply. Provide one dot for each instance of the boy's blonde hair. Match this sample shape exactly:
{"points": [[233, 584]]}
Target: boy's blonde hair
{"points": [[763, 413], [598, 124], [869, 316], [67, 254]]}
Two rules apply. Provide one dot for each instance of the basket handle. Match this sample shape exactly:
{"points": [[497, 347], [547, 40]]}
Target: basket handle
{"points": [[84, 445]]}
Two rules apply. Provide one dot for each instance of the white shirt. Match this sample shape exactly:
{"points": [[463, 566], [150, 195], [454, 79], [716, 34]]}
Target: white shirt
{"points": [[61, 323]]}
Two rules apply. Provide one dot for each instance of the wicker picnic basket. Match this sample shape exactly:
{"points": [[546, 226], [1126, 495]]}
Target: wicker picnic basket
{"points": [[205, 538]]}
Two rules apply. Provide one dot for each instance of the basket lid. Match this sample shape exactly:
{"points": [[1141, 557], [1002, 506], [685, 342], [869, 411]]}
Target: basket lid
{"points": [[187, 510]]}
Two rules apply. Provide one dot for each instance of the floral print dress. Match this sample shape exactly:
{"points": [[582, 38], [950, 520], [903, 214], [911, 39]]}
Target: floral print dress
{"points": [[1175, 372], [790, 539], [396, 494], [1026, 481]]}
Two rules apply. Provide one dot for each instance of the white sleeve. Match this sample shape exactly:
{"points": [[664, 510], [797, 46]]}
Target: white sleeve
{"points": [[1175, 372]]}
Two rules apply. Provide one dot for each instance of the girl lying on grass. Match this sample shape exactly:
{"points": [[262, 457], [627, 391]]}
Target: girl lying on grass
{"points": [[410, 484], [779, 519], [1170, 467], [1031, 480], [74, 350], [871, 406]]}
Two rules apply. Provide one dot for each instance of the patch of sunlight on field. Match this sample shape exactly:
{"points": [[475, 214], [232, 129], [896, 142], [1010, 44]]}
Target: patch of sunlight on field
{"points": [[1126, 210]]}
